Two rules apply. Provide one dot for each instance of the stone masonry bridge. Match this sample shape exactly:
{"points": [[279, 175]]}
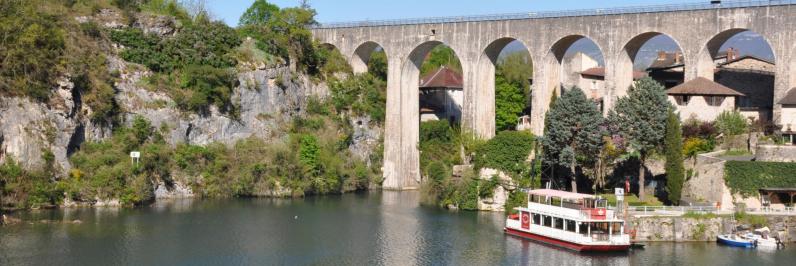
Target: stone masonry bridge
{"points": [[699, 30]]}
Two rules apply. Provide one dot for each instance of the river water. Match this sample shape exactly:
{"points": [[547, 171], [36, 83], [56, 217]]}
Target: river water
{"points": [[357, 229]]}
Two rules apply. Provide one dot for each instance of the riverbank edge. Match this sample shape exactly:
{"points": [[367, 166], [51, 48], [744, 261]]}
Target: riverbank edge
{"points": [[698, 229]]}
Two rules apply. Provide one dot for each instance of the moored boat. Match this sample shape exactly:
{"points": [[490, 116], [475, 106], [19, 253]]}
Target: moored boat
{"points": [[735, 241], [579, 222]]}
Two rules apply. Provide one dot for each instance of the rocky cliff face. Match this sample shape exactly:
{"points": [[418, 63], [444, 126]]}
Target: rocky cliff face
{"points": [[266, 97]]}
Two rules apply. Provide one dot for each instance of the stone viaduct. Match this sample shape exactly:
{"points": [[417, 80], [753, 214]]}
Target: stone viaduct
{"points": [[699, 30]]}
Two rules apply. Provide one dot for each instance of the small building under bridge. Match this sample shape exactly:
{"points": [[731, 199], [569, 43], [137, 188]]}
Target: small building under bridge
{"points": [[777, 198]]}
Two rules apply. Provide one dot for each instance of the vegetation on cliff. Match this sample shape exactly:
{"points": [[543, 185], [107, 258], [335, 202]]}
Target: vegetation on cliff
{"points": [[197, 66]]}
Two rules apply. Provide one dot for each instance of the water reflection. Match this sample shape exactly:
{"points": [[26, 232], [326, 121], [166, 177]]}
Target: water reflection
{"points": [[389, 228]]}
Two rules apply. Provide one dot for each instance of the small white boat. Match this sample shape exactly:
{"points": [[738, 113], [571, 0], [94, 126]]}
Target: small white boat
{"points": [[763, 239]]}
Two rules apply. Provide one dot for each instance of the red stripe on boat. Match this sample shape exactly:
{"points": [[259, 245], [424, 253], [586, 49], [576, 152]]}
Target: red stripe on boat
{"points": [[564, 244]]}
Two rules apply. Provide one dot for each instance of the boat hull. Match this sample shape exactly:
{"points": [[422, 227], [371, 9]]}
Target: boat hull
{"points": [[735, 243], [565, 244]]}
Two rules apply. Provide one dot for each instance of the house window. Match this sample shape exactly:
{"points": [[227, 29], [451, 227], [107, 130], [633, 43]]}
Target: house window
{"points": [[682, 100], [714, 100]]}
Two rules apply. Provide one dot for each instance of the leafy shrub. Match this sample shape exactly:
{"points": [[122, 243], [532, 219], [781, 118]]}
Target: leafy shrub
{"points": [[507, 152], [203, 43], [32, 49], [747, 177], [731, 123], [26, 189], [361, 94], [694, 146], [693, 128]]}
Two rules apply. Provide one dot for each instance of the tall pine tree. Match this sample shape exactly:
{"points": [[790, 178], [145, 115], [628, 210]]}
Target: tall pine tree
{"points": [[573, 134], [673, 147], [641, 119]]}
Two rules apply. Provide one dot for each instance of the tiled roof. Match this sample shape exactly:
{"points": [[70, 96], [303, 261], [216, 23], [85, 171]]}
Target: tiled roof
{"points": [[702, 86], [442, 78], [747, 57], [667, 62], [600, 72], [790, 98]]}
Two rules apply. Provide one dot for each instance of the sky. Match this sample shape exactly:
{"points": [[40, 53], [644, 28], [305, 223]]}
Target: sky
{"points": [[357, 10]]}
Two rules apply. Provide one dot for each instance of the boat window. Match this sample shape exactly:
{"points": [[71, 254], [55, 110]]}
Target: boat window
{"points": [[537, 219], [571, 225], [555, 201], [601, 203], [548, 221], [559, 223], [584, 229]]}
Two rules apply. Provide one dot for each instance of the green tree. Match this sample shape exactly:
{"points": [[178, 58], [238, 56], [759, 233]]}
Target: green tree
{"points": [[441, 55], [377, 65], [731, 123], [640, 118], [509, 104], [673, 148], [573, 136], [517, 68], [259, 13]]}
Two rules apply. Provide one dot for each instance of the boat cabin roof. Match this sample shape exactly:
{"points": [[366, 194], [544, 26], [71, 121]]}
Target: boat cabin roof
{"points": [[560, 194]]}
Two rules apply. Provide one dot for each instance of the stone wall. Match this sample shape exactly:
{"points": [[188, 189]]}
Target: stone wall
{"points": [[679, 229], [705, 186], [776, 153], [683, 229]]}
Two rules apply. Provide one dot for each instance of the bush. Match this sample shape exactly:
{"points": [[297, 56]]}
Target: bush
{"points": [[204, 43], [747, 177], [361, 94], [731, 123], [26, 189], [32, 50], [694, 146], [508, 151], [693, 128]]}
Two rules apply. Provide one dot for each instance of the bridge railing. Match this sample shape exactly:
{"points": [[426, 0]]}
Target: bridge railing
{"points": [[703, 5]]}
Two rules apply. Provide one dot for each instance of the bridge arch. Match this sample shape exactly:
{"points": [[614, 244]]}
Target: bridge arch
{"points": [[709, 50], [626, 60], [362, 54], [484, 94], [405, 104], [555, 76]]}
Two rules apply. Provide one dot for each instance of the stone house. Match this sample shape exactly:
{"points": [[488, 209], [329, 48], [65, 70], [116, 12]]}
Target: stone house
{"points": [[749, 75], [441, 95], [754, 77], [702, 99], [589, 76], [788, 116]]}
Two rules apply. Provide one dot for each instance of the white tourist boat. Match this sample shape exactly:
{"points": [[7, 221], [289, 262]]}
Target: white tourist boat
{"points": [[579, 222]]}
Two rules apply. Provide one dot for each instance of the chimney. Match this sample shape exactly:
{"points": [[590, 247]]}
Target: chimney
{"points": [[678, 57], [661, 55]]}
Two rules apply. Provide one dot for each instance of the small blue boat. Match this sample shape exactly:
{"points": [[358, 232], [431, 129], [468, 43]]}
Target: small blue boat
{"points": [[735, 241]]}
